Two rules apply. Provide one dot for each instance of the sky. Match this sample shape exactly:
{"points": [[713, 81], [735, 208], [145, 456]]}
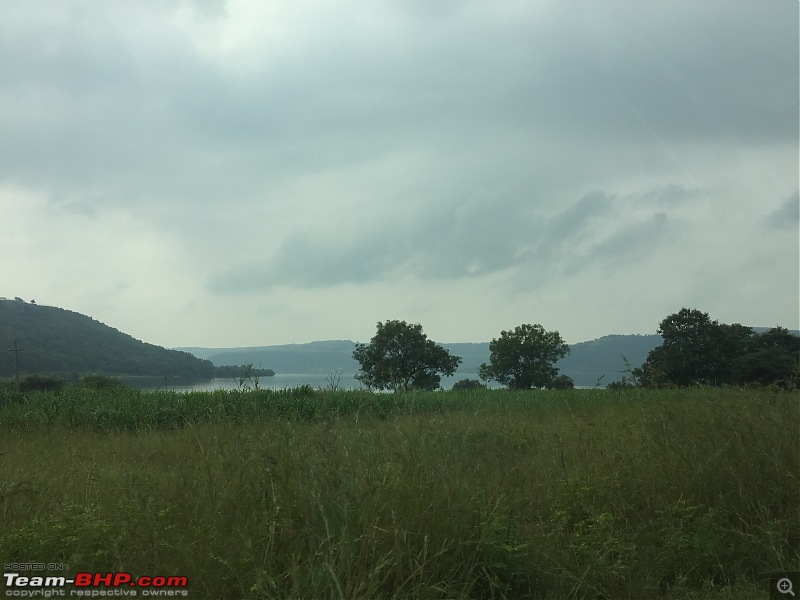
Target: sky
{"points": [[254, 172]]}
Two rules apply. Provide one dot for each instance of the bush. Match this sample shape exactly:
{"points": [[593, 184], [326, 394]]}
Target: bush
{"points": [[624, 384], [562, 382], [38, 383], [101, 382], [468, 384]]}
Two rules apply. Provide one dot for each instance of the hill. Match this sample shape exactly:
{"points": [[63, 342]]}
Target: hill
{"points": [[313, 357], [56, 340], [602, 359]]}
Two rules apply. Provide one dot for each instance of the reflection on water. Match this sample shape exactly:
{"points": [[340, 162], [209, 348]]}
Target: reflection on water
{"points": [[277, 381]]}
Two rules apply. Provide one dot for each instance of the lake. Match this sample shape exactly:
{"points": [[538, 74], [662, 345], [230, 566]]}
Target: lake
{"points": [[290, 380]]}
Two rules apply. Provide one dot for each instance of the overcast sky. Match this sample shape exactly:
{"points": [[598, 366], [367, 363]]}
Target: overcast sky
{"points": [[253, 172]]}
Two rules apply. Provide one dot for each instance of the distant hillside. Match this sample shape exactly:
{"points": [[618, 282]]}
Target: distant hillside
{"points": [[61, 341], [588, 361], [314, 357]]}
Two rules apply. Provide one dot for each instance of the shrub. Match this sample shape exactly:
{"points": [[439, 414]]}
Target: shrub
{"points": [[39, 383], [468, 384], [562, 382], [101, 382]]}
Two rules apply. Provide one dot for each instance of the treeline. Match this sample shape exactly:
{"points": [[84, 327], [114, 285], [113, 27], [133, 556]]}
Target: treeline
{"points": [[699, 351], [695, 351]]}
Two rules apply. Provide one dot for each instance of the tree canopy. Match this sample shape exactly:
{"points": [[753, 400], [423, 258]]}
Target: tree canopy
{"points": [[525, 357], [400, 356], [697, 350]]}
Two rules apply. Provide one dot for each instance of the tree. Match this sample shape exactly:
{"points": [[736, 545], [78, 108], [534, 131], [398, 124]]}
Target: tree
{"points": [[696, 350], [773, 357], [683, 356], [525, 357], [400, 356], [730, 344]]}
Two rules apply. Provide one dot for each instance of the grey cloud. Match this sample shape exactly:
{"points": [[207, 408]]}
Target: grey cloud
{"points": [[603, 231], [468, 239], [81, 106], [475, 237], [211, 8], [684, 79], [569, 225], [671, 194], [497, 231], [633, 242], [84, 207], [306, 262], [497, 235], [152, 108], [787, 216], [487, 234]]}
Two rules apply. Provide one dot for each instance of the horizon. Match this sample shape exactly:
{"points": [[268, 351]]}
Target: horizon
{"points": [[366, 341], [349, 340], [245, 347], [754, 327]]}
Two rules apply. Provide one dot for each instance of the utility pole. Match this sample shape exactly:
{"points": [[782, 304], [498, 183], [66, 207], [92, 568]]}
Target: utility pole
{"points": [[16, 352]]}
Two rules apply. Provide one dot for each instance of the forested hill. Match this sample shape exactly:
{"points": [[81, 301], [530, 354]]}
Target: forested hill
{"points": [[61, 341]]}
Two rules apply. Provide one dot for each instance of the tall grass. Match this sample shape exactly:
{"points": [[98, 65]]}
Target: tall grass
{"points": [[484, 494]]}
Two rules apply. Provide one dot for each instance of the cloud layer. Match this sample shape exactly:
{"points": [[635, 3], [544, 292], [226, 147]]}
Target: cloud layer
{"points": [[241, 172]]}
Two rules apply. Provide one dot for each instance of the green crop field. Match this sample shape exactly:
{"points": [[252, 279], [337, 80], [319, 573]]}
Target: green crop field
{"points": [[584, 494]]}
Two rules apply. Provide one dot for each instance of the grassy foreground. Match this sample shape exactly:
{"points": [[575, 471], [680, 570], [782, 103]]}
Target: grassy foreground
{"points": [[487, 494]]}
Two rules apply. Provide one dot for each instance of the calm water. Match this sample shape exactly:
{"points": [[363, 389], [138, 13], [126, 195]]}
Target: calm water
{"points": [[290, 380]]}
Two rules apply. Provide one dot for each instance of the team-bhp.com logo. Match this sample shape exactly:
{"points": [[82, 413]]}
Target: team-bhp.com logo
{"points": [[95, 585]]}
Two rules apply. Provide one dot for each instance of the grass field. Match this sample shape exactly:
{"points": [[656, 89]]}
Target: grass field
{"points": [[488, 494]]}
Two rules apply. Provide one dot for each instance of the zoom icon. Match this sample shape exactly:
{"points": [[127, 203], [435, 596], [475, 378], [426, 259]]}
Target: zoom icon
{"points": [[784, 586]]}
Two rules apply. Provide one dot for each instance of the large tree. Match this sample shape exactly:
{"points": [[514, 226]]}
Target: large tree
{"points": [[696, 350], [772, 357], [525, 358], [400, 356]]}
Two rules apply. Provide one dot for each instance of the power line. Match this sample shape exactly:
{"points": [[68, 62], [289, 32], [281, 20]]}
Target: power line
{"points": [[16, 352]]}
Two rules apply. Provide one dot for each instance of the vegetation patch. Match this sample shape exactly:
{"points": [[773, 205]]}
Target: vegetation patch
{"points": [[629, 493]]}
